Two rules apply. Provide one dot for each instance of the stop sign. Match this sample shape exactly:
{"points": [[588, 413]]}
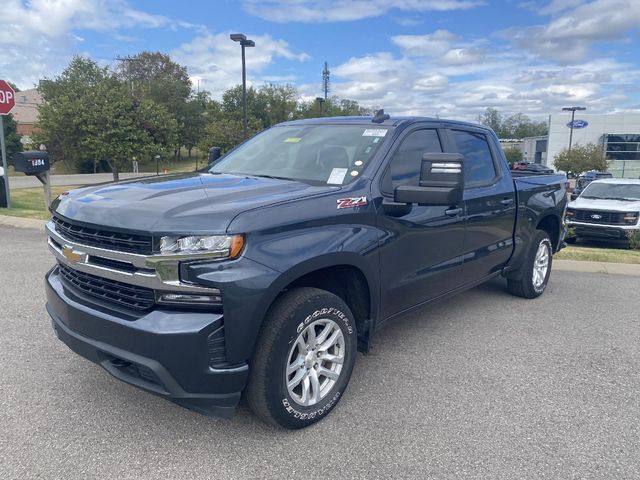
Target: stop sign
{"points": [[7, 98]]}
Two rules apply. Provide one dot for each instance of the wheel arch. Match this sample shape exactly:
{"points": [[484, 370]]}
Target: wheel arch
{"points": [[344, 274], [552, 225]]}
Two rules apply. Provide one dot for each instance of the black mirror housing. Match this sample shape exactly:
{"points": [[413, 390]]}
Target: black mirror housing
{"points": [[441, 181], [214, 154]]}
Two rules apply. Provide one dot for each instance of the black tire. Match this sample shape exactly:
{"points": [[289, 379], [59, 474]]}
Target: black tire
{"points": [[521, 283], [289, 317]]}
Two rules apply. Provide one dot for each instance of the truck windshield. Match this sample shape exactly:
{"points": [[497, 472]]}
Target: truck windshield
{"points": [[316, 154], [613, 191]]}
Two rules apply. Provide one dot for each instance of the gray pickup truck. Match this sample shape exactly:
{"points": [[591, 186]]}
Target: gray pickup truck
{"points": [[268, 272]]}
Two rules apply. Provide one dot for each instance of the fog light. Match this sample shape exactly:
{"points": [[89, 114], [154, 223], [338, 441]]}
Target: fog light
{"points": [[189, 299]]}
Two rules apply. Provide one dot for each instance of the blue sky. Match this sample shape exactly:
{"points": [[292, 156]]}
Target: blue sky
{"points": [[451, 58]]}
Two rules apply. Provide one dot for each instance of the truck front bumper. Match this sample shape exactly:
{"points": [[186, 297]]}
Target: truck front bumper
{"points": [[165, 352], [604, 232]]}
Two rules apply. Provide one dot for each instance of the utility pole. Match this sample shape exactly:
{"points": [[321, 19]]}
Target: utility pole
{"points": [[326, 81], [244, 42]]}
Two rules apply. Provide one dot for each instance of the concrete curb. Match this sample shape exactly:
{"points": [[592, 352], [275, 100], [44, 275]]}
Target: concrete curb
{"points": [[20, 222], [597, 267]]}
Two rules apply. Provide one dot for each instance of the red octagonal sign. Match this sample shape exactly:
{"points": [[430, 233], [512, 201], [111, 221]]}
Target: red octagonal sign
{"points": [[7, 98]]}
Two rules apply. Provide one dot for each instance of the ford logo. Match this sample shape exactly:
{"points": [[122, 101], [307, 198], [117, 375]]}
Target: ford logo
{"points": [[578, 124], [595, 216]]}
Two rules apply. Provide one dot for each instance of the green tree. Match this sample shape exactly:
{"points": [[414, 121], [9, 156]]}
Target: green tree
{"points": [[155, 76], [226, 133], [581, 159], [513, 126], [276, 103], [513, 154], [11, 137], [492, 119], [90, 116], [64, 102]]}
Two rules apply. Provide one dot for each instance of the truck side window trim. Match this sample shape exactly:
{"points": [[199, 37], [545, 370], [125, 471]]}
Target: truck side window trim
{"points": [[385, 180], [497, 168]]}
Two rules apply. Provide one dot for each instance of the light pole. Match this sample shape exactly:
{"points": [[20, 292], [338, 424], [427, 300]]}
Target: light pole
{"points": [[242, 39], [573, 116]]}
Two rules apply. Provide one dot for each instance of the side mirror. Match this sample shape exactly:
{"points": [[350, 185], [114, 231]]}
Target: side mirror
{"points": [[214, 154], [441, 181]]}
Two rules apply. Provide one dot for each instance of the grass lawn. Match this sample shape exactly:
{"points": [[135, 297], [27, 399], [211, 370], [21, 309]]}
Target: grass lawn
{"points": [[29, 202], [598, 254]]}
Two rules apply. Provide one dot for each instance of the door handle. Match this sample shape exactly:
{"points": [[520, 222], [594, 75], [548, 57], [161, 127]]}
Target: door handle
{"points": [[506, 201], [452, 212]]}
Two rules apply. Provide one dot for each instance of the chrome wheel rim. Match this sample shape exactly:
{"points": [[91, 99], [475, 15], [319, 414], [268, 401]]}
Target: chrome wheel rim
{"points": [[314, 362], [541, 265]]}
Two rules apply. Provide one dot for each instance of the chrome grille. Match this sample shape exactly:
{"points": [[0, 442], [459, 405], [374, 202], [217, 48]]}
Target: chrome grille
{"points": [[101, 238], [130, 296]]}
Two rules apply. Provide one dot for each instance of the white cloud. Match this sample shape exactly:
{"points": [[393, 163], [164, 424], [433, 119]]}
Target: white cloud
{"points": [[37, 37], [216, 60], [448, 48], [512, 81], [576, 26], [313, 11]]}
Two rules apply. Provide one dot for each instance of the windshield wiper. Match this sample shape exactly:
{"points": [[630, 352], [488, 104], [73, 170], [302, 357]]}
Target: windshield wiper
{"points": [[624, 199], [270, 176]]}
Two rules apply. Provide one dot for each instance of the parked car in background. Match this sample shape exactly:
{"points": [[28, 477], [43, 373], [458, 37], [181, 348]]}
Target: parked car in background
{"points": [[606, 209], [585, 179]]}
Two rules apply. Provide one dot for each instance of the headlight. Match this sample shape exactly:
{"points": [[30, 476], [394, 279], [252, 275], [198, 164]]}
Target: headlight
{"points": [[631, 218], [222, 246]]}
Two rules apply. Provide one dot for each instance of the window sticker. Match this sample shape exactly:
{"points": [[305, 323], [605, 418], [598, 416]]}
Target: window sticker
{"points": [[376, 140], [337, 176], [354, 173], [358, 163], [374, 132], [292, 140]]}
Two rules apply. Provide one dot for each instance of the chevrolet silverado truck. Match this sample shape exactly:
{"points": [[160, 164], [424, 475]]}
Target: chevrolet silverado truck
{"points": [[266, 274], [607, 209]]}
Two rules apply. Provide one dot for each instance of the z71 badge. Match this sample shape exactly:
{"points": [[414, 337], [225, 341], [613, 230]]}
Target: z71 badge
{"points": [[351, 202]]}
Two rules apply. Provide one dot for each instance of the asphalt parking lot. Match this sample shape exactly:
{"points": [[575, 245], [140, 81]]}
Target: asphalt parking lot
{"points": [[483, 386]]}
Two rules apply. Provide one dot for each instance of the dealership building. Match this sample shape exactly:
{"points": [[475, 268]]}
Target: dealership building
{"points": [[617, 133]]}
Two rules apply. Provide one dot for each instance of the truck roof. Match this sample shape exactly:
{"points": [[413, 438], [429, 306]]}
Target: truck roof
{"points": [[391, 122]]}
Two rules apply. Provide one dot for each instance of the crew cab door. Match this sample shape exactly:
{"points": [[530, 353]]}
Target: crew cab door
{"points": [[490, 204], [421, 248]]}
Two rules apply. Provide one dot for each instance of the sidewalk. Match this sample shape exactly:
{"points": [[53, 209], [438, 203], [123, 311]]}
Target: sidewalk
{"points": [[74, 179]]}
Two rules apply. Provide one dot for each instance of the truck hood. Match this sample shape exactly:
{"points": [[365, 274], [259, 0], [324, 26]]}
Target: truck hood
{"points": [[186, 203], [601, 204]]}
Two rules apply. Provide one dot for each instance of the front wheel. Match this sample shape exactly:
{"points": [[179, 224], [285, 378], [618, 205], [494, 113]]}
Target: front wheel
{"points": [[303, 362], [531, 279]]}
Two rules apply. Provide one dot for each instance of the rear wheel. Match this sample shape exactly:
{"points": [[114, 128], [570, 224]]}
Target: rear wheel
{"points": [[531, 279], [304, 358]]}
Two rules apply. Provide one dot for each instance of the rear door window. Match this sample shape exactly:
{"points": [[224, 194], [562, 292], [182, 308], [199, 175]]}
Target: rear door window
{"points": [[479, 167]]}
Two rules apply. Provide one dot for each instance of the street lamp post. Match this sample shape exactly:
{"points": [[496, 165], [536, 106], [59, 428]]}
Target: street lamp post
{"points": [[573, 116], [242, 39]]}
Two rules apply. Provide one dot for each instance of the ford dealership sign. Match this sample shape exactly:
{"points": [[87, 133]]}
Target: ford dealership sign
{"points": [[578, 124]]}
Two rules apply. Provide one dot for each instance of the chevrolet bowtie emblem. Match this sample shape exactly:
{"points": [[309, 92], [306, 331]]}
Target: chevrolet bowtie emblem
{"points": [[70, 255]]}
